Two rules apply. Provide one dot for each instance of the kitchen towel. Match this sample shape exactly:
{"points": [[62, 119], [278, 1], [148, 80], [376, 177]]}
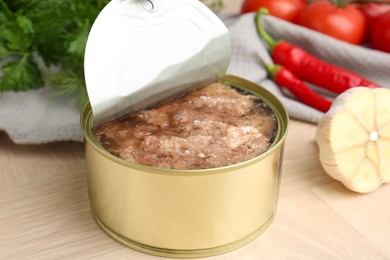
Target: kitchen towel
{"points": [[37, 116]]}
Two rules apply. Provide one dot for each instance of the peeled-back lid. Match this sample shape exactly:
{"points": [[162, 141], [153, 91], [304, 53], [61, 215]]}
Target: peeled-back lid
{"points": [[143, 52]]}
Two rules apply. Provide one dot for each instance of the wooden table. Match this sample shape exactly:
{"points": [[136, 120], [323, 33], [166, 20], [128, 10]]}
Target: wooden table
{"points": [[45, 212]]}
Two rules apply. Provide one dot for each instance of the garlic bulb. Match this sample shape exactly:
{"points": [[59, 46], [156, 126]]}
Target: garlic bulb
{"points": [[354, 139]]}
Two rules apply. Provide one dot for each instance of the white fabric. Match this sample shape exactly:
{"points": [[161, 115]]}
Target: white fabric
{"points": [[36, 116]]}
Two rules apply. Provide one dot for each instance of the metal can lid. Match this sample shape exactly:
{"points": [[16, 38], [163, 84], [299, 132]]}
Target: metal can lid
{"points": [[143, 52]]}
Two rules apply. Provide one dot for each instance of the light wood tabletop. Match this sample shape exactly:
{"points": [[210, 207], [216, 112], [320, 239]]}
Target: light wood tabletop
{"points": [[45, 211]]}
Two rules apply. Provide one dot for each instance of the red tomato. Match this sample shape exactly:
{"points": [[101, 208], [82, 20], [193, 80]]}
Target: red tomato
{"points": [[344, 23], [284, 9], [380, 33], [372, 12]]}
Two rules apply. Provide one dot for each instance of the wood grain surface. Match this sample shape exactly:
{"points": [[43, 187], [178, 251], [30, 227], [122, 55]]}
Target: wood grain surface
{"points": [[45, 212]]}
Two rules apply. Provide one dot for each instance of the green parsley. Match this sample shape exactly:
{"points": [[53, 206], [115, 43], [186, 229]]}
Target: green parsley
{"points": [[53, 31]]}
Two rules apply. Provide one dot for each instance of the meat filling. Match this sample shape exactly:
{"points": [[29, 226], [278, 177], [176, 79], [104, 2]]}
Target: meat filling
{"points": [[210, 127]]}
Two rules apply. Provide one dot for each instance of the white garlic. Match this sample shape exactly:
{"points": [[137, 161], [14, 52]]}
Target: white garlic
{"points": [[354, 139]]}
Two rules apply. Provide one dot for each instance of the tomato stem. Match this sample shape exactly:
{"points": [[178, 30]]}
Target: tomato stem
{"points": [[266, 37], [340, 3], [343, 3], [370, 1]]}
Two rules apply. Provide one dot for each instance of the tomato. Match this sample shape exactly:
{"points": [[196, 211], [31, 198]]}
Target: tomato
{"points": [[372, 12], [284, 9], [380, 33], [344, 23]]}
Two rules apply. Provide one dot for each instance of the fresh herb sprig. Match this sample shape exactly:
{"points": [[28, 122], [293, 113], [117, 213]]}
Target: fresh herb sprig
{"points": [[51, 31]]}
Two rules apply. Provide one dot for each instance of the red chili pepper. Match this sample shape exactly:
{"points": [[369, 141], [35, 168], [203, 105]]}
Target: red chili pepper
{"points": [[309, 68], [297, 87]]}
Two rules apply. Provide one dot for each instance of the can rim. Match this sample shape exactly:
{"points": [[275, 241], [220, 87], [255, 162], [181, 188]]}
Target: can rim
{"points": [[175, 253], [270, 99]]}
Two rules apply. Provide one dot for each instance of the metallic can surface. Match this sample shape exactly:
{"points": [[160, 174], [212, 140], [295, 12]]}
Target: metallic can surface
{"points": [[186, 213]]}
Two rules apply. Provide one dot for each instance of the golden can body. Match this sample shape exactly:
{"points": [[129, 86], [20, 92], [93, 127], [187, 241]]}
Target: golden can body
{"points": [[186, 213]]}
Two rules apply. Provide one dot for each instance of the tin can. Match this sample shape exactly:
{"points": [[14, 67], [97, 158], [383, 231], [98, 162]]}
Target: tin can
{"points": [[186, 213]]}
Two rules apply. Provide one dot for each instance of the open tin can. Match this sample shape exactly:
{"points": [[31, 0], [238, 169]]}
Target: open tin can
{"points": [[142, 51], [186, 213]]}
